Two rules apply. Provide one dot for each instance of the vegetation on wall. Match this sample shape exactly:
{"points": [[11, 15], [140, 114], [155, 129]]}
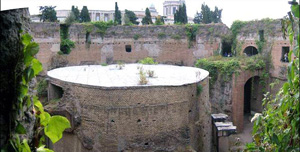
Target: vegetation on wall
{"points": [[100, 25], [65, 43], [148, 60], [46, 125], [224, 68], [191, 32], [277, 128]]}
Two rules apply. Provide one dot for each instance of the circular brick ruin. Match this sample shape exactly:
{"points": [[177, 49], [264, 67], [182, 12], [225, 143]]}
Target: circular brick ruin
{"points": [[111, 111]]}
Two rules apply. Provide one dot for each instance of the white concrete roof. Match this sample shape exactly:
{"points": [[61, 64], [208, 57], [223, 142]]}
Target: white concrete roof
{"points": [[111, 76]]}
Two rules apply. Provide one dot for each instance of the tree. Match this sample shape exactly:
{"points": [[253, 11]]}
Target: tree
{"points": [[118, 18], [131, 17], [48, 14], [159, 20], [207, 16], [70, 19], [198, 18], [277, 128], [180, 15], [76, 13], [147, 19], [84, 15]]}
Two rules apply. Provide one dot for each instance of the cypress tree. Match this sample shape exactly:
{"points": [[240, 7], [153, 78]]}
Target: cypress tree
{"points": [[76, 13], [147, 19], [84, 15], [118, 17]]}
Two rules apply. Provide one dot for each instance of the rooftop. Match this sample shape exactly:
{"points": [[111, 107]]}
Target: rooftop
{"points": [[112, 76]]}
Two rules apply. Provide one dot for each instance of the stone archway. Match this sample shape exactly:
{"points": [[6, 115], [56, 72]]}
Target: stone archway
{"points": [[250, 50], [238, 97]]}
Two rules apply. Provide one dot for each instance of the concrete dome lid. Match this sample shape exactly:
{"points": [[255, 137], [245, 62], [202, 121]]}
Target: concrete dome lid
{"points": [[128, 76]]}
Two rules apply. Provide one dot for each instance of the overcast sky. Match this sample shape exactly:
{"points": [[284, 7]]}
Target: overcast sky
{"points": [[232, 9]]}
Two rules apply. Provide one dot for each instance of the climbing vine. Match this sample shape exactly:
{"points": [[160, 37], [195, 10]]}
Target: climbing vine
{"points": [[191, 32], [51, 126], [277, 128], [224, 67], [65, 43]]}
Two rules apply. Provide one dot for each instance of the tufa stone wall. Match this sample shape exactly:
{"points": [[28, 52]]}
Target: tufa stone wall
{"points": [[12, 22], [166, 44], [153, 118]]}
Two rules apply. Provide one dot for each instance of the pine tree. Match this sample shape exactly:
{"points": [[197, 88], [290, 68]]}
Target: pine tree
{"points": [[147, 19], [118, 18], [130, 17], [76, 13], [84, 15], [48, 14]]}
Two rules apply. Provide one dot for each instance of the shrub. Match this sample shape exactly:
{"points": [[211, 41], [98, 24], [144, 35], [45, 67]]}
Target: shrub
{"points": [[147, 60], [66, 45], [136, 36], [176, 37], [162, 35]]}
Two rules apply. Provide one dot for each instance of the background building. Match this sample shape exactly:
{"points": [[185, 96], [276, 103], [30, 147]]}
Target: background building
{"points": [[101, 15]]}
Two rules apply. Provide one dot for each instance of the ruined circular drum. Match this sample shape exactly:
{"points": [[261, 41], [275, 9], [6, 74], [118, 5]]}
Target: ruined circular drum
{"points": [[133, 107]]}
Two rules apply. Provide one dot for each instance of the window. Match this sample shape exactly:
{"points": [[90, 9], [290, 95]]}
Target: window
{"points": [[106, 17], [284, 54], [97, 16], [174, 10], [128, 48], [166, 11]]}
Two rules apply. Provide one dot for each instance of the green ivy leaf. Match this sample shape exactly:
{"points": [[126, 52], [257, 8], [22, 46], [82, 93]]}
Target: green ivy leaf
{"points": [[44, 118], [38, 104], [43, 149], [295, 10], [36, 66], [25, 147], [26, 39], [32, 49], [20, 129], [55, 127]]}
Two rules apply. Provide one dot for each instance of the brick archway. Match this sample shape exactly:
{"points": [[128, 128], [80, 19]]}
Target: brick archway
{"points": [[238, 97]]}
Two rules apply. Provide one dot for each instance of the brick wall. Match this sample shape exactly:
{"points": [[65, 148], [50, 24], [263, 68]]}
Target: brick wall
{"points": [[139, 118]]}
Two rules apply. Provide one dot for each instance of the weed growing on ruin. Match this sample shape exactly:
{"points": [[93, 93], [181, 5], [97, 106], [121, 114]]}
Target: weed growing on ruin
{"points": [[191, 32], [219, 67], [235, 29], [136, 36], [102, 27], [161, 35], [148, 60], [120, 65], [176, 36], [199, 89], [150, 73], [65, 43], [143, 79]]}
